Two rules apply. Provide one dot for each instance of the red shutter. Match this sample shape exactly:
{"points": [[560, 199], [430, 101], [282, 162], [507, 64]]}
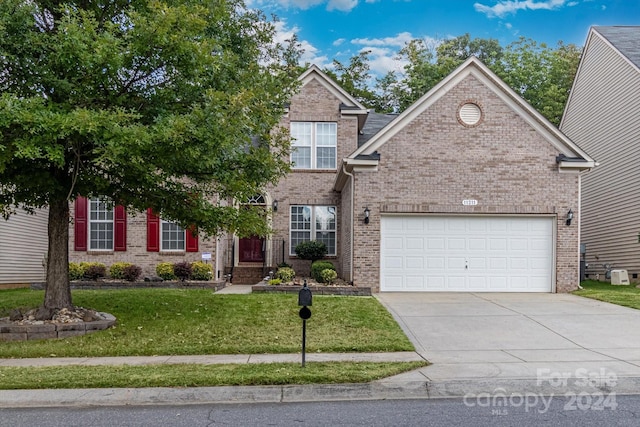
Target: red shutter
{"points": [[120, 229], [80, 224], [153, 232], [192, 239]]}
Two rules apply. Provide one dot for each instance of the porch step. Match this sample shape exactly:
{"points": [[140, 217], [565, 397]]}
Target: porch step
{"points": [[244, 275]]}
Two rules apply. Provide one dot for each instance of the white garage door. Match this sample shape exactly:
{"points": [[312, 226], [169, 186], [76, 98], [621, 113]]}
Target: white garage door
{"points": [[466, 254]]}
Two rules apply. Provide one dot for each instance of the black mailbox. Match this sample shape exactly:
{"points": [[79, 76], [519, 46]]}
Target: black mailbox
{"points": [[304, 296]]}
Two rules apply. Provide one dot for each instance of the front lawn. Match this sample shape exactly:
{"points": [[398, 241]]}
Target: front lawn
{"points": [[183, 322], [626, 295]]}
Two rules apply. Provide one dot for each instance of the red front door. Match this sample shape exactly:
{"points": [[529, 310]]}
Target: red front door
{"points": [[251, 249]]}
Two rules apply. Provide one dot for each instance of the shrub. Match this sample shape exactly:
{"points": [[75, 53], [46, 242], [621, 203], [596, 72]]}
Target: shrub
{"points": [[317, 267], [165, 270], [95, 271], [76, 272], [117, 269], [312, 250], [328, 275], [286, 274], [182, 270], [131, 273], [275, 282], [201, 271]]}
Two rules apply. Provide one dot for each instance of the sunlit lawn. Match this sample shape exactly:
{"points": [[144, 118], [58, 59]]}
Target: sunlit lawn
{"points": [[182, 322]]}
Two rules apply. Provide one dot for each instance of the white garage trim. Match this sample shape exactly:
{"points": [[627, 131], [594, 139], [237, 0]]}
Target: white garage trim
{"points": [[467, 253]]}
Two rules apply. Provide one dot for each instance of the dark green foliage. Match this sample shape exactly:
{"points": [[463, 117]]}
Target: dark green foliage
{"points": [[144, 102], [311, 250], [317, 268]]}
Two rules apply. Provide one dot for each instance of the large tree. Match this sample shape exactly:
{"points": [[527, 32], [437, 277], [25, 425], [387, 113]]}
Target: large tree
{"points": [[162, 104], [540, 74]]}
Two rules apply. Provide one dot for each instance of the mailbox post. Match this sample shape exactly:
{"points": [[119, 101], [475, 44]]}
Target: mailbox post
{"points": [[305, 300]]}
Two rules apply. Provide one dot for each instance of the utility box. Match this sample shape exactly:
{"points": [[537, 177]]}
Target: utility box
{"points": [[619, 277]]}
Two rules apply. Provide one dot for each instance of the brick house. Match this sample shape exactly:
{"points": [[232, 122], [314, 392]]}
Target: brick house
{"points": [[469, 189]]}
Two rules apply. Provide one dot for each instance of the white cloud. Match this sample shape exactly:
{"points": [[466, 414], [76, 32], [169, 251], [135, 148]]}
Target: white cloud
{"points": [[382, 60], [506, 7], [338, 42], [342, 5], [311, 53], [398, 40]]}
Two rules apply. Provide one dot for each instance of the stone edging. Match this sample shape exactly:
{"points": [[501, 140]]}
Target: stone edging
{"points": [[90, 285], [12, 332], [317, 290]]}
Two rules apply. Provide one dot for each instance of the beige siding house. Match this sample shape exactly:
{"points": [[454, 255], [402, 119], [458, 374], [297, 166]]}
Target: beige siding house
{"points": [[603, 116], [23, 248]]}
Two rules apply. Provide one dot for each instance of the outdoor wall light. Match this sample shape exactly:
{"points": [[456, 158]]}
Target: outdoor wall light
{"points": [[275, 206], [569, 217], [366, 215]]}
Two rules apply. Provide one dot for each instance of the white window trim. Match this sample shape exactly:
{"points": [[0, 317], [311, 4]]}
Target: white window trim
{"points": [[314, 147], [100, 221], [313, 230], [184, 238]]}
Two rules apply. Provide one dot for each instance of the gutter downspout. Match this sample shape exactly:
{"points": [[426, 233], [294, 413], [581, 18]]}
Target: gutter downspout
{"points": [[352, 178]]}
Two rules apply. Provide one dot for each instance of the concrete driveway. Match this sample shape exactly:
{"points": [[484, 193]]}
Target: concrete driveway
{"points": [[531, 336]]}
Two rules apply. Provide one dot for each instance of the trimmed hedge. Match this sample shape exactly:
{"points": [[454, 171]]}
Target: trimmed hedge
{"points": [[317, 268]]}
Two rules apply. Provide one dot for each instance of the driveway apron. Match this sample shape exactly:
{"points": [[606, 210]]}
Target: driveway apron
{"points": [[518, 335]]}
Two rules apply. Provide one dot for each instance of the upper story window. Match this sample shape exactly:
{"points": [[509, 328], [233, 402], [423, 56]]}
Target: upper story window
{"points": [[100, 225], [314, 145]]}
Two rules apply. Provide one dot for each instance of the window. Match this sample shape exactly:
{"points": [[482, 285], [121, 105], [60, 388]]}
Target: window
{"points": [[313, 223], [314, 145], [169, 237], [100, 225], [172, 237]]}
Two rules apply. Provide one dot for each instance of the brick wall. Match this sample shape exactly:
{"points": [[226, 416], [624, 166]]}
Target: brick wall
{"points": [[308, 187], [136, 252], [435, 162]]}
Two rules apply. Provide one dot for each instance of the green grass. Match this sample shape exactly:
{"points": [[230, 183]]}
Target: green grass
{"points": [[182, 322], [198, 375], [626, 295]]}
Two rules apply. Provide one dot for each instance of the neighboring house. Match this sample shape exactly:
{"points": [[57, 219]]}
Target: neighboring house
{"points": [[23, 248], [469, 189], [603, 116]]}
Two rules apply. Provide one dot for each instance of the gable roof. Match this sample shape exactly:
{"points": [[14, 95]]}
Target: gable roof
{"points": [[567, 149], [624, 39], [375, 122], [349, 106]]}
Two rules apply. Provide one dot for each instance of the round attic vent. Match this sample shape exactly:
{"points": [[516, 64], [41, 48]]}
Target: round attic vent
{"points": [[470, 114]]}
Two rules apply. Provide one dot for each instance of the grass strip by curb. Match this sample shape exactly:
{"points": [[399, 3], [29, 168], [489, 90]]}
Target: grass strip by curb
{"points": [[190, 375]]}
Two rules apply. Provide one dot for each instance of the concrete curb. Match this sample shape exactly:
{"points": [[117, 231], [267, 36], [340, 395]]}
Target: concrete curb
{"points": [[209, 395], [485, 391]]}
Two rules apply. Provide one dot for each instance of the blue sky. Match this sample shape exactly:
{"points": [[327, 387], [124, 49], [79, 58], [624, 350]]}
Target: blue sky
{"points": [[339, 29]]}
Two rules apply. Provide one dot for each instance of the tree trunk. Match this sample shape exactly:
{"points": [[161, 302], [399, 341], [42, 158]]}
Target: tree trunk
{"points": [[58, 291]]}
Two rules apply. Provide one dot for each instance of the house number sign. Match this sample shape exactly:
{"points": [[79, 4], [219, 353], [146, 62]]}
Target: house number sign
{"points": [[470, 202]]}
